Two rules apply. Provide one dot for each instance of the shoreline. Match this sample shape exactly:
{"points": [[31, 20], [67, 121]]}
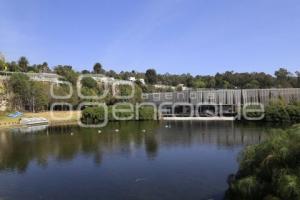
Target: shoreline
{"points": [[55, 118]]}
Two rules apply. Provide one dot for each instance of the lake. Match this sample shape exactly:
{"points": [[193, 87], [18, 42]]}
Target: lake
{"points": [[143, 160]]}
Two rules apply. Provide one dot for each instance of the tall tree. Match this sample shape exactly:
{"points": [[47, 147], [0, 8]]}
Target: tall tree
{"points": [[85, 71], [67, 72], [39, 99], [151, 76], [282, 76], [43, 68], [298, 78], [20, 86], [3, 65], [98, 68], [13, 67], [23, 64]]}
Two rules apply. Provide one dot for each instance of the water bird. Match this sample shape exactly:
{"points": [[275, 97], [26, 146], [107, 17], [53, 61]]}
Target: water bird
{"points": [[99, 131], [117, 130], [143, 130], [72, 133]]}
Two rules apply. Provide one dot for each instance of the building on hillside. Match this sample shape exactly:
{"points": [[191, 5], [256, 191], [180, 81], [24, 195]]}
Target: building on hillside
{"points": [[43, 77], [103, 79], [133, 79], [184, 88], [161, 86], [142, 81]]}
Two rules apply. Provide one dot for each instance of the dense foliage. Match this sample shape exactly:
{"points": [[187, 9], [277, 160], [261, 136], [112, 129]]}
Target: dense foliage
{"points": [[95, 115], [279, 111], [270, 170], [27, 94]]}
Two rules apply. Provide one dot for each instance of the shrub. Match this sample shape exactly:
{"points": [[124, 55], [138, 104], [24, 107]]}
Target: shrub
{"points": [[294, 112], [146, 113], [276, 111], [93, 115], [279, 111], [269, 170], [89, 82]]}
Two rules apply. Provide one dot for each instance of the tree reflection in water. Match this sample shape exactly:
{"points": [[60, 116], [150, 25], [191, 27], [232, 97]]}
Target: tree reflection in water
{"points": [[17, 150]]}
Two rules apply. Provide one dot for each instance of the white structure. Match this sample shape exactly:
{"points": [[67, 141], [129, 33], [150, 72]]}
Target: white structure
{"points": [[43, 77], [103, 79], [34, 121], [133, 79], [160, 86], [142, 81], [183, 87]]}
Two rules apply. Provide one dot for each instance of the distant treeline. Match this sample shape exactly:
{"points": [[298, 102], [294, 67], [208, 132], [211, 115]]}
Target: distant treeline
{"points": [[281, 78]]}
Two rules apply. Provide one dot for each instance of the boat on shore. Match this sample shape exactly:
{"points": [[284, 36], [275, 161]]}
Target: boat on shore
{"points": [[30, 129], [34, 121]]}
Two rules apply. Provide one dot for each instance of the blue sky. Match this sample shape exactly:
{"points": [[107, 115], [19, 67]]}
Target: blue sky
{"points": [[175, 36]]}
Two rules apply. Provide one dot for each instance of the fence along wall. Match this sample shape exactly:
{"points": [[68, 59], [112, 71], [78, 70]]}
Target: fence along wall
{"points": [[225, 97]]}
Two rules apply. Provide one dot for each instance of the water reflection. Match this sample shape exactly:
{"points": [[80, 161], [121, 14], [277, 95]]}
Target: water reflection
{"points": [[63, 144], [29, 129]]}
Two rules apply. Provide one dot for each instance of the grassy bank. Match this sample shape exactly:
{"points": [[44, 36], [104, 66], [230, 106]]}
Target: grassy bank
{"points": [[56, 117]]}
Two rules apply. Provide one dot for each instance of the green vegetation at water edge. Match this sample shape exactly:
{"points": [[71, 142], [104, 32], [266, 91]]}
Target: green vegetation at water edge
{"points": [[270, 170], [94, 115], [279, 111]]}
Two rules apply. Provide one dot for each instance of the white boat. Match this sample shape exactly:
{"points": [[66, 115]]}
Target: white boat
{"points": [[30, 129], [34, 121]]}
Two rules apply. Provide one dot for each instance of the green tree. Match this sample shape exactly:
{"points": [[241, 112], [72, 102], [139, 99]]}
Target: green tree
{"points": [[151, 76], [298, 78], [253, 84], [3, 65], [23, 64], [67, 72], [43, 68], [13, 67], [282, 77], [199, 83], [85, 71], [39, 99], [89, 82], [20, 86], [98, 69]]}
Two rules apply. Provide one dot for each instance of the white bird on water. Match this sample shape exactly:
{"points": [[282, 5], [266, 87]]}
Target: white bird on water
{"points": [[72, 133], [117, 130], [143, 130], [99, 131]]}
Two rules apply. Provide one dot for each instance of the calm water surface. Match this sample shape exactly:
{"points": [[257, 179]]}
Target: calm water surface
{"points": [[144, 160]]}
